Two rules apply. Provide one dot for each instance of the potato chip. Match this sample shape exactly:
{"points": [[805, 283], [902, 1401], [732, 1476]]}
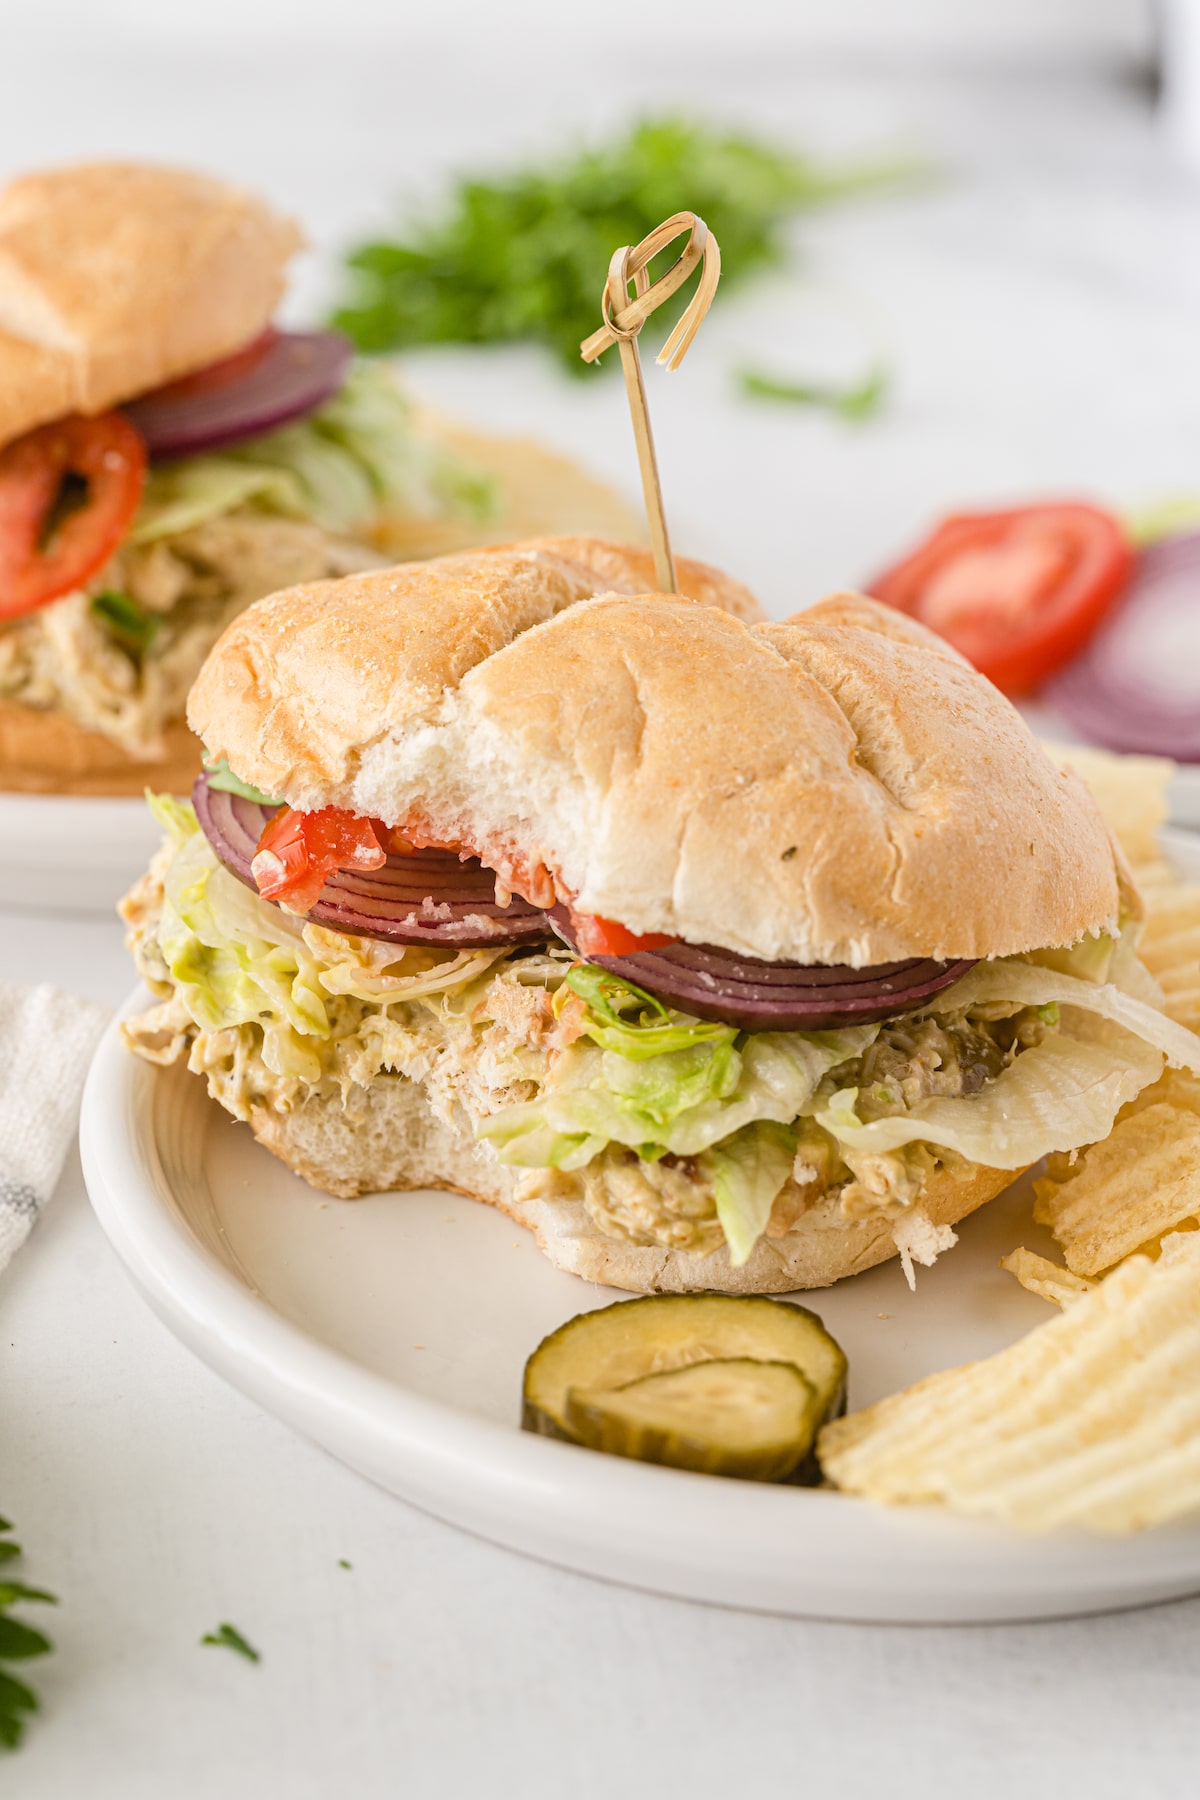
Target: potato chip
{"points": [[1045, 1279], [1131, 792], [1170, 948], [1142, 1180], [1093, 1419]]}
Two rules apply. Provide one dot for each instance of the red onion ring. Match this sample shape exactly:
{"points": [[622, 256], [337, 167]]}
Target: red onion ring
{"points": [[293, 374], [760, 996], [431, 897], [436, 897], [1136, 686]]}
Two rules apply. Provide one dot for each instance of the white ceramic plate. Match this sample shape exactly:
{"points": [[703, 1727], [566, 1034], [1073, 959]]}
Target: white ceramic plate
{"points": [[394, 1330], [73, 855]]}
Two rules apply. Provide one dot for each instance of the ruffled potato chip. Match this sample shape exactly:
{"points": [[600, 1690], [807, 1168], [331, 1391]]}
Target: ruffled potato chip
{"points": [[1139, 1182], [1091, 1420], [1044, 1278]]}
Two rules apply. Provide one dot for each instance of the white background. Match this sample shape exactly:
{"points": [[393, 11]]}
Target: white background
{"points": [[1038, 305]]}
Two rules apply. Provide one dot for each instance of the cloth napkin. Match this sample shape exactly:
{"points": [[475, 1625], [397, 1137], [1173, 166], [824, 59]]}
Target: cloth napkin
{"points": [[46, 1042]]}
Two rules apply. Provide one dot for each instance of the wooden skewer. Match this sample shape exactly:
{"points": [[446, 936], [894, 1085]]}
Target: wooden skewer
{"points": [[624, 318]]}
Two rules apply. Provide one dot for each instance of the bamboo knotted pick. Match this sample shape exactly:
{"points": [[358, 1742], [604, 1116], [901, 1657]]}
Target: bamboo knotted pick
{"points": [[624, 318]]}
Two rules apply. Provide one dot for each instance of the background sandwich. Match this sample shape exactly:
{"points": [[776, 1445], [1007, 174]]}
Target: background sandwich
{"points": [[168, 456], [724, 954]]}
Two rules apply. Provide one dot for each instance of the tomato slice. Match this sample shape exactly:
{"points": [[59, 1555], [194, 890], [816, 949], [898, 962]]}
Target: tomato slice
{"points": [[299, 851], [1017, 592], [605, 937], [41, 556]]}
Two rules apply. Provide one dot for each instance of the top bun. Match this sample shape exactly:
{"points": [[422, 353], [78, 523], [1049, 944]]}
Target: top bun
{"points": [[839, 788], [117, 277]]}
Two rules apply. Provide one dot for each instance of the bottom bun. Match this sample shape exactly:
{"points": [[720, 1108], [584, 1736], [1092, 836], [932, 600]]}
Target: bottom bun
{"points": [[392, 1139], [43, 751]]}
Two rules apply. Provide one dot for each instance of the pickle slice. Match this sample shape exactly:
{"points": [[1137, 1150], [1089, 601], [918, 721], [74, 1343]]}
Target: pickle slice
{"points": [[734, 1416], [599, 1352]]}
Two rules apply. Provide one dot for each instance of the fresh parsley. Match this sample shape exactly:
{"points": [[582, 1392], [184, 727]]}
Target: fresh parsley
{"points": [[522, 256], [18, 1643], [856, 402], [228, 1637]]}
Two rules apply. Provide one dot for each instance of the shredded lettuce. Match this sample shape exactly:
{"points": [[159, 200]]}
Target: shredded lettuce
{"points": [[177, 817], [234, 962], [747, 1171], [353, 458], [652, 1080], [621, 1017], [1059, 1095], [1031, 985], [683, 1101]]}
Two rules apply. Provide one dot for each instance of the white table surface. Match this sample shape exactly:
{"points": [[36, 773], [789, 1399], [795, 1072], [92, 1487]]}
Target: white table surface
{"points": [[1040, 306]]}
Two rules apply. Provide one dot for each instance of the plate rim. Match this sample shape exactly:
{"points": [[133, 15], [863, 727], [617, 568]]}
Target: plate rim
{"points": [[517, 1479]]}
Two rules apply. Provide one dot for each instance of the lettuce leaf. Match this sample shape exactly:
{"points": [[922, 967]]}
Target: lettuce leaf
{"points": [[747, 1172], [1031, 984], [235, 962], [683, 1101], [222, 777], [177, 817], [1059, 1095], [356, 456], [626, 1019]]}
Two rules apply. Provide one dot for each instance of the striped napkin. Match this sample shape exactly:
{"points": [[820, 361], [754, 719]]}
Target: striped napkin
{"points": [[46, 1042]]}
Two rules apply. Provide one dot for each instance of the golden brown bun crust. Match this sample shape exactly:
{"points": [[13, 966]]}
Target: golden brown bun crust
{"points": [[839, 788], [392, 1140], [45, 752], [378, 650], [117, 277]]}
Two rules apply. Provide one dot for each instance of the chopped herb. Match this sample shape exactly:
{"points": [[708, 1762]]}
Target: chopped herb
{"points": [[522, 256], [18, 1643], [130, 624], [230, 1638], [854, 403], [1048, 1014], [343, 1564]]}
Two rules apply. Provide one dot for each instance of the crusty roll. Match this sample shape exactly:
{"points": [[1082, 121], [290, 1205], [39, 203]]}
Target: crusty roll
{"points": [[117, 277], [391, 1139], [839, 788]]}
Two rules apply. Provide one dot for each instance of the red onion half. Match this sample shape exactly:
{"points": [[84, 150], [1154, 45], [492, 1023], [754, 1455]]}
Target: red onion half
{"points": [[430, 897], [1136, 686], [764, 996], [260, 388]]}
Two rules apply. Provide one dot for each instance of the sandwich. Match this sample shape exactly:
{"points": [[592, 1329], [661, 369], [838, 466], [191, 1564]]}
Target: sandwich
{"points": [[724, 954], [168, 455]]}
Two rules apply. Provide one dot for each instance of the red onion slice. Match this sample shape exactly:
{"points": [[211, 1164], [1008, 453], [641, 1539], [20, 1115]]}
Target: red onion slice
{"points": [[761, 996], [248, 394], [1136, 687], [430, 897]]}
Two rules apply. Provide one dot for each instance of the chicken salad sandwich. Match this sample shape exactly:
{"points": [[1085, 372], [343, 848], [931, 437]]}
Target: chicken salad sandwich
{"points": [[168, 455], [724, 954]]}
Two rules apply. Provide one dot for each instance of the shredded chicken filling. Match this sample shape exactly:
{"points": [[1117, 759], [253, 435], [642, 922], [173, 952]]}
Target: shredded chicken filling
{"points": [[491, 1043], [68, 655]]}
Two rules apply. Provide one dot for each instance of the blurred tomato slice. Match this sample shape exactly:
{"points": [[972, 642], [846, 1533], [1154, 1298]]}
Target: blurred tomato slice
{"points": [[68, 494], [1018, 592]]}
